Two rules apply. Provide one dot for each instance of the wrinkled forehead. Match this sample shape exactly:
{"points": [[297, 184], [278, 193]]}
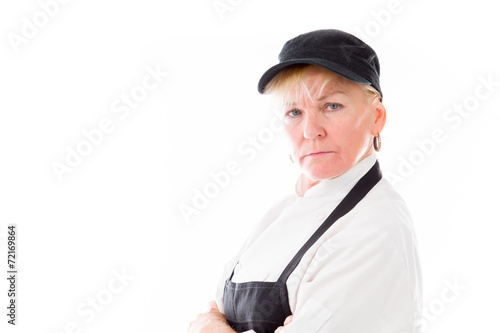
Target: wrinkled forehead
{"points": [[310, 85]]}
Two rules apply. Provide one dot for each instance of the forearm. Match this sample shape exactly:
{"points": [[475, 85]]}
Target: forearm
{"points": [[218, 328], [225, 329], [212, 321]]}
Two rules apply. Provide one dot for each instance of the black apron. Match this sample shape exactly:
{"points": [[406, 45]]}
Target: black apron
{"points": [[263, 306]]}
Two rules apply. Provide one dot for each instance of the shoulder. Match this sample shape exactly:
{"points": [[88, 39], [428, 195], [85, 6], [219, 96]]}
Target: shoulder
{"points": [[384, 207], [383, 213]]}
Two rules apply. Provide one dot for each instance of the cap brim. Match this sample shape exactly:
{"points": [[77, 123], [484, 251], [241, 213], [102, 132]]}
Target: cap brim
{"points": [[333, 67]]}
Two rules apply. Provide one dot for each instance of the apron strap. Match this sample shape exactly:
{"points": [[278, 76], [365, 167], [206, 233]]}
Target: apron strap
{"points": [[357, 193]]}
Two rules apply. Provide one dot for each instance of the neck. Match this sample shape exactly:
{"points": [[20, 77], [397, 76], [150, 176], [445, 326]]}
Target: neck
{"points": [[303, 184]]}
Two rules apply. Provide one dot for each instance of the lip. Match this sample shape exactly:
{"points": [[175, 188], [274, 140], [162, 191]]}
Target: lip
{"points": [[318, 154]]}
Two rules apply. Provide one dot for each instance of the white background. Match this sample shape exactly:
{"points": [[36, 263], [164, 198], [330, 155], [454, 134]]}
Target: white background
{"points": [[119, 209]]}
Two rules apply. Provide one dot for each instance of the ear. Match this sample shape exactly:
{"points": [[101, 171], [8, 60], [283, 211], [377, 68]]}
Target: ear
{"points": [[380, 115]]}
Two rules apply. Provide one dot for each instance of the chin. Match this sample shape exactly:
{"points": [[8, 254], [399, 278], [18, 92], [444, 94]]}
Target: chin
{"points": [[322, 173], [325, 169]]}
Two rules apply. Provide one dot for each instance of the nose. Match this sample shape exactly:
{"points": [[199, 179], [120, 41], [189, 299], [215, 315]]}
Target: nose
{"points": [[313, 127]]}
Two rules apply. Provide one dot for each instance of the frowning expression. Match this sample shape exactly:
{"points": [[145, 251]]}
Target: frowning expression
{"points": [[332, 129]]}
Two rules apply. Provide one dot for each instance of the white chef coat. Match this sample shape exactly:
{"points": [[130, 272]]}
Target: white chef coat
{"points": [[363, 275]]}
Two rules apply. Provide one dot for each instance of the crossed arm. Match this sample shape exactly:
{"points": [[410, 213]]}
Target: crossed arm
{"points": [[213, 321]]}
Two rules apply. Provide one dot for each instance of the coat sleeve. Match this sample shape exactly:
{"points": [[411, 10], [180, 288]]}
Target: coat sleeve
{"points": [[364, 280]]}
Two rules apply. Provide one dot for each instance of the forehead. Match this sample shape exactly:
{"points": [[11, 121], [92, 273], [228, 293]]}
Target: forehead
{"points": [[315, 84]]}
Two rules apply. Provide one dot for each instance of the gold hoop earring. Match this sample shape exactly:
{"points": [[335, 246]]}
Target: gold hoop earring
{"points": [[377, 142], [291, 159]]}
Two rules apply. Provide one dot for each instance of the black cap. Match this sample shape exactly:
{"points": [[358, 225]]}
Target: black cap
{"points": [[334, 50]]}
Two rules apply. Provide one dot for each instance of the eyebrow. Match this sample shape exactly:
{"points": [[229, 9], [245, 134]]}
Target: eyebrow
{"points": [[293, 104], [328, 95]]}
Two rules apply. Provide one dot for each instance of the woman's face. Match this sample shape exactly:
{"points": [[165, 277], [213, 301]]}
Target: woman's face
{"points": [[331, 132]]}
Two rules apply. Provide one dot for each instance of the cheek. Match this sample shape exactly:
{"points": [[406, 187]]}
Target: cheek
{"points": [[294, 135], [347, 132], [341, 127]]}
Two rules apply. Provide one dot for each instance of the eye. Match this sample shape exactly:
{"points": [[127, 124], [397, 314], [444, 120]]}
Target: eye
{"points": [[333, 106], [293, 113]]}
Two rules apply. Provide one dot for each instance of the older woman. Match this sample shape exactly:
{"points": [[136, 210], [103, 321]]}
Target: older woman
{"points": [[340, 254]]}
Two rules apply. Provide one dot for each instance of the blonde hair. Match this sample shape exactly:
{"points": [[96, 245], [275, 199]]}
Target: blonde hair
{"points": [[291, 81]]}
